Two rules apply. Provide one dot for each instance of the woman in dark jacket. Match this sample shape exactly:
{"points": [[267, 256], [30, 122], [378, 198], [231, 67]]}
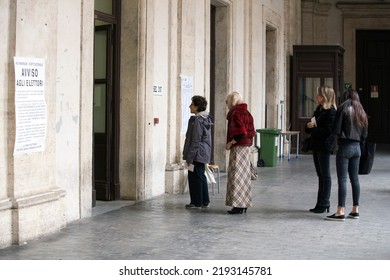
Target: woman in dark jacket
{"points": [[351, 128], [197, 152], [239, 139], [320, 130]]}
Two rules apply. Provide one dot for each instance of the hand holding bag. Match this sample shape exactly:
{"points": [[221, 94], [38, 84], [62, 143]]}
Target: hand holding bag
{"points": [[209, 175]]}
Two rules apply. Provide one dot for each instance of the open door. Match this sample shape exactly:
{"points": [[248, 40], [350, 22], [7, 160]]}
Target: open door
{"points": [[101, 111], [106, 109]]}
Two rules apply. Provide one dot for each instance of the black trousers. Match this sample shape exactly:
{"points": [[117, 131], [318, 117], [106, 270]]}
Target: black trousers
{"points": [[197, 182], [322, 165]]}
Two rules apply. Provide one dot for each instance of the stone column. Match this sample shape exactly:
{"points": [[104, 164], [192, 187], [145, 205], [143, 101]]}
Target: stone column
{"points": [[37, 203], [131, 105], [174, 174], [6, 13]]}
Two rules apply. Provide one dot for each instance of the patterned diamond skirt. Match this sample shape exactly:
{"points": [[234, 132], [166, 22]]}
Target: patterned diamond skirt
{"points": [[239, 192]]}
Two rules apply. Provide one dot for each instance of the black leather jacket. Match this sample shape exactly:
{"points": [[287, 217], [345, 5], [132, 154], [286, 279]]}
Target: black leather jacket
{"points": [[344, 127]]}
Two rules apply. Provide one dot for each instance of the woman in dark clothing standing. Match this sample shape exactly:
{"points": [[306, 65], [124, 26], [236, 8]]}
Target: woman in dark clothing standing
{"points": [[240, 133], [351, 127], [320, 130], [197, 152]]}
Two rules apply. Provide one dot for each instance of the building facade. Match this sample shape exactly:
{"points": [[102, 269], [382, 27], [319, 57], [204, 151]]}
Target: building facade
{"points": [[118, 76]]}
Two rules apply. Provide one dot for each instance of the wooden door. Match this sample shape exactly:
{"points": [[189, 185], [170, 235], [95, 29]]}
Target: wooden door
{"points": [[313, 66], [306, 100], [105, 114], [101, 111]]}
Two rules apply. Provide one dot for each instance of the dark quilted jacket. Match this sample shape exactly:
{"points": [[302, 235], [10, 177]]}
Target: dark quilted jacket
{"points": [[197, 146]]}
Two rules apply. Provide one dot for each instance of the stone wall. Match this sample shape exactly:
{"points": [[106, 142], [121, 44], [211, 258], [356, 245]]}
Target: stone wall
{"points": [[43, 190]]}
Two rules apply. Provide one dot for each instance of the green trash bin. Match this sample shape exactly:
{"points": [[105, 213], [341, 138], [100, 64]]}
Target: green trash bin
{"points": [[268, 148]]}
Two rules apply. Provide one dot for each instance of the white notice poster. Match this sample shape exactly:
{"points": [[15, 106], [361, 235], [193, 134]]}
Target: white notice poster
{"points": [[187, 89], [30, 105]]}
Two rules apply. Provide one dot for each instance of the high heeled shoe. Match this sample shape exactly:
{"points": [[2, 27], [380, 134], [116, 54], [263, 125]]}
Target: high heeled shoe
{"points": [[236, 210], [321, 209], [313, 209]]}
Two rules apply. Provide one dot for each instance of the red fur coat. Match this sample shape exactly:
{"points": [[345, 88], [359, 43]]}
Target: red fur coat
{"points": [[240, 122]]}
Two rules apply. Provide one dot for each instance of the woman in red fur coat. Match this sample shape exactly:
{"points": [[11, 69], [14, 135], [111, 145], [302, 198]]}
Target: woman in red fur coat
{"points": [[240, 133]]}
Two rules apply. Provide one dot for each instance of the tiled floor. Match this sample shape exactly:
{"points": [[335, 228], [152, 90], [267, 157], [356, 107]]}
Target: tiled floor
{"points": [[277, 227], [108, 206]]}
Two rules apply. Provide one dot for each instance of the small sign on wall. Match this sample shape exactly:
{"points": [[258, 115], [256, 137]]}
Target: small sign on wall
{"points": [[374, 91], [158, 90]]}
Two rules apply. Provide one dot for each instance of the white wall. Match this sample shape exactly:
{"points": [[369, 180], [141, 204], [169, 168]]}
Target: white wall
{"points": [[5, 67], [49, 188], [157, 75], [68, 103], [4, 94], [31, 177]]}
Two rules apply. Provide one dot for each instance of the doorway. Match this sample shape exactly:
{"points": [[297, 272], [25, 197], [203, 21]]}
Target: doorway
{"points": [[313, 66], [106, 101], [372, 81]]}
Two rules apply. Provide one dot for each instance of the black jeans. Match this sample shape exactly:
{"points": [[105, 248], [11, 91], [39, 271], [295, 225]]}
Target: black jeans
{"points": [[197, 182], [322, 165]]}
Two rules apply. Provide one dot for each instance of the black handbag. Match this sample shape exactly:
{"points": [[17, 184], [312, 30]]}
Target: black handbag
{"points": [[367, 157], [306, 145]]}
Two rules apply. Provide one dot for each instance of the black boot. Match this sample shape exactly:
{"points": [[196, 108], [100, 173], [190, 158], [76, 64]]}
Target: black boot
{"points": [[321, 209], [236, 210]]}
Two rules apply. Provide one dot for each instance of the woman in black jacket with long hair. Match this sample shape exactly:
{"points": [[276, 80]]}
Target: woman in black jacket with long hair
{"points": [[351, 128]]}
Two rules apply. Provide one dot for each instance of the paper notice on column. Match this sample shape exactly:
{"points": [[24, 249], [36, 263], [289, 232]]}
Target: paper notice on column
{"points": [[187, 91], [30, 105]]}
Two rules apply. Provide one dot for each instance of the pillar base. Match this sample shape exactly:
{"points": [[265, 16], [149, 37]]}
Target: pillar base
{"points": [[175, 178], [37, 215]]}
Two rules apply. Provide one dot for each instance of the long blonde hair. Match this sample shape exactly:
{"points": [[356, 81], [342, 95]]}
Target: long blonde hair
{"points": [[233, 99], [329, 96]]}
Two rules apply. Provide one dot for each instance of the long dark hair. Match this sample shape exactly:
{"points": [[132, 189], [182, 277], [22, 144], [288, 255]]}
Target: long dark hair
{"points": [[360, 116]]}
